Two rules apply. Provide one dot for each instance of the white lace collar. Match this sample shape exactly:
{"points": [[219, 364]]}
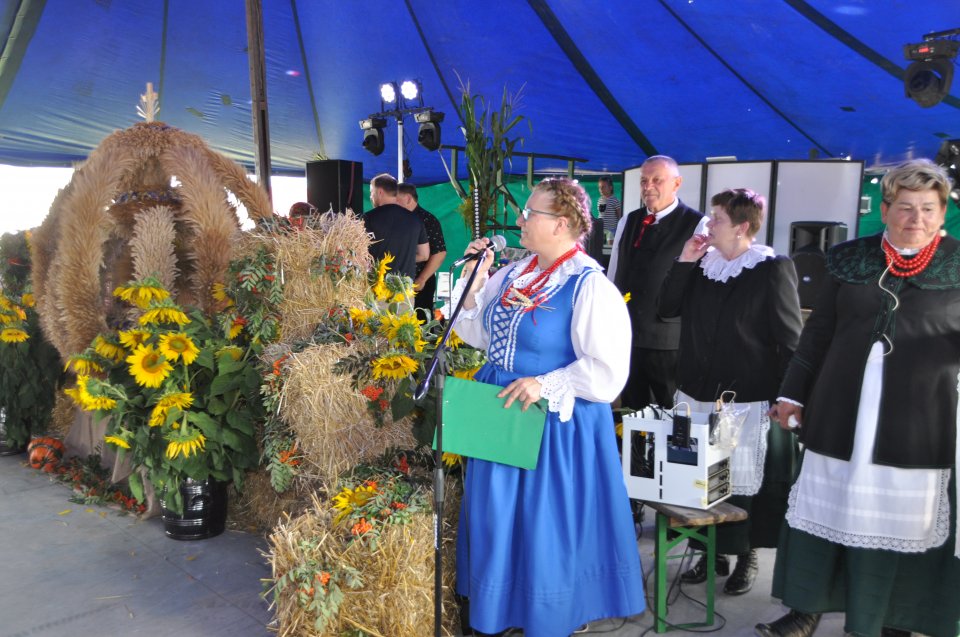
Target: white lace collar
{"points": [[717, 268], [574, 265]]}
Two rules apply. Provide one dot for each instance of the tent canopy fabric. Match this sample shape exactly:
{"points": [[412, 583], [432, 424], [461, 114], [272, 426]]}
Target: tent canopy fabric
{"points": [[612, 82]]}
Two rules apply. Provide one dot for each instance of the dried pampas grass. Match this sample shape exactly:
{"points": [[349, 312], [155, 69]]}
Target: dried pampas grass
{"points": [[330, 418], [396, 599]]}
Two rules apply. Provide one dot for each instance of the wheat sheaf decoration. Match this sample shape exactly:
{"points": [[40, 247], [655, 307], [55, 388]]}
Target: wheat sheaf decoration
{"points": [[150, 200]]}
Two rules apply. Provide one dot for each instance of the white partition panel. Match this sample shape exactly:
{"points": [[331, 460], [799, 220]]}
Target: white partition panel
{"points": [[755, 175], [815, 191]]}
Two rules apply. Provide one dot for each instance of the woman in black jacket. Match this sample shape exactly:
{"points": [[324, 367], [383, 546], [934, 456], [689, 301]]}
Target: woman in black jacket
{"points": [[741, 323]]}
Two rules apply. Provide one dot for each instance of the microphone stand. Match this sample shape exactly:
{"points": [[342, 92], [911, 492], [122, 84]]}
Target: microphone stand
{"points": [[439, 359]]}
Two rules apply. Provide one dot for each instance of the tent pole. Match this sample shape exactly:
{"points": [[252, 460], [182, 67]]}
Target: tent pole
{"points": [[258, 93]]}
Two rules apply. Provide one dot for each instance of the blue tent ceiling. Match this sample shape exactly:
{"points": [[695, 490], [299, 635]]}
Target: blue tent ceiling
{"points": [[610, 81]]}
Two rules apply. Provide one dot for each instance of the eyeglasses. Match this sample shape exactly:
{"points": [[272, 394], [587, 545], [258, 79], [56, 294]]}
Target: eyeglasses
{"points": [[525, 213]]}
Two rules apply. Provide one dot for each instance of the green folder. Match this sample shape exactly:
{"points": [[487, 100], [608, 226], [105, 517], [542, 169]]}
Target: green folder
{"points": [[476, 425]]}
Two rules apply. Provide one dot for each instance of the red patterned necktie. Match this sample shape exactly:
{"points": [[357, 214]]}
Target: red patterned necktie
{"points": [[644, 224]]}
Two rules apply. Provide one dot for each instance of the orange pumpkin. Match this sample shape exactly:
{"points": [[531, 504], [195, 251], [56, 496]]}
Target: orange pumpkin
{"points": [[45, 453]]}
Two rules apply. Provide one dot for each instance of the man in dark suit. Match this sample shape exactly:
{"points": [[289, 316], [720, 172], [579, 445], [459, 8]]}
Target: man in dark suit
{"points": [[394, 229], [647, 242]]}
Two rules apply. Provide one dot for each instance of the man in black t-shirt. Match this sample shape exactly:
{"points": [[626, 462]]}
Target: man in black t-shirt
{"points": [[425, 282], [394, 229]]}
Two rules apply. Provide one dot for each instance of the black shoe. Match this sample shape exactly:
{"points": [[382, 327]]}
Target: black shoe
{"points": [[886, 631], [741, 580], [698, 573], [793, 624]]}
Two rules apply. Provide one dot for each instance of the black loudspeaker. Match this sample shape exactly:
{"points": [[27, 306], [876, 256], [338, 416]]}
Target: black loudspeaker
{"points": [[335, 183], [809, 242]]}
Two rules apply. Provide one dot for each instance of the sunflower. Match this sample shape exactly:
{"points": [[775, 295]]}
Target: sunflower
{"points": [[219, 293], [98, 403], [115, 440], [28, 300], [454, 341], [234, 352], [108, 349], [178, 344], [384, 266], [148, 366], [142, 293], [451, 459], [82, 364], [349, 499], [403, 329], [164, 314], [180, 400], [13, 335], [185, 443], [236, 327], [360, 316], [394, 366], [466, 374], [8, 317], [131, 338]]}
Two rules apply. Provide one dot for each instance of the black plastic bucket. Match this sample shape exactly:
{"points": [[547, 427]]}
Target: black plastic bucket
{"points": [[204, 511]]}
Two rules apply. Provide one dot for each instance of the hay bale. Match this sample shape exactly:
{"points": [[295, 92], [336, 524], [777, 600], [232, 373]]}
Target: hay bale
{"points": [[396, 597], [63, 415], [258, 508], [330, 418], [323, 266]]}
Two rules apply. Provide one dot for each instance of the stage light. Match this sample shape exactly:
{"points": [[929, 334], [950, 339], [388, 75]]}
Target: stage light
{"points": [[372, 128], [429, 134], [927, 80], [409, 89], [949, 157], [388, 92]]}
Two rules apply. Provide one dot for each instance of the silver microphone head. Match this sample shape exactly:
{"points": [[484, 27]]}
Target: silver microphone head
{"points": [[498, 242]]}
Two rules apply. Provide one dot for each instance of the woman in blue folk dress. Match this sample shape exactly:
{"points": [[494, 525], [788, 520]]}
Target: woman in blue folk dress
{"points": [[550, 549]]}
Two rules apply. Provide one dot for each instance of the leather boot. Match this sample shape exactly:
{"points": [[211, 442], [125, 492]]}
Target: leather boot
{"points": [[793, 624], [698, 573], [741, 580]]}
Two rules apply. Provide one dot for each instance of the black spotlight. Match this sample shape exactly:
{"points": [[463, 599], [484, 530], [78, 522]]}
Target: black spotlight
{"points": [[927, 80], [949, 157], [373, 133], [429, 134]]}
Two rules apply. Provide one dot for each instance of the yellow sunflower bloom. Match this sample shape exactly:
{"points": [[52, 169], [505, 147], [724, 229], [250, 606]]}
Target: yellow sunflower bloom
{"points": [[219, 293], [164, 314], [396, 366], [20, 313], [384, 265], [466, 374], [13, 335], [232, 351], [185, 444], [114, 440], [349, 499], [180, 400], [108, 349], [381, 291], [28, 300], [450, 459], [142, 293], [7, 317], [5, 303], [235, 328], [99, 403], [360, 316], [173, 346], [148, 366], [83, 364], [132, 338], [454, 341]]}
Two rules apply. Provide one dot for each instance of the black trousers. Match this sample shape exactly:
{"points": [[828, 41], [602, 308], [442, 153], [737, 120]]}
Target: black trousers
{"points": [[424, 298], [653, 378]]}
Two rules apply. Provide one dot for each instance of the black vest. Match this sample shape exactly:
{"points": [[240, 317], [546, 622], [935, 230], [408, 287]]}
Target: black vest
{"points": [[641, 271]]}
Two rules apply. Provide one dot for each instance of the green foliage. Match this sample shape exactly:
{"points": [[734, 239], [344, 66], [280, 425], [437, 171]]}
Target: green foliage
{"points": [[30, 367], [489, 149]]}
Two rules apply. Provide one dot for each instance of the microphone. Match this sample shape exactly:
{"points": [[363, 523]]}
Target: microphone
{"points": [[496, 243]]}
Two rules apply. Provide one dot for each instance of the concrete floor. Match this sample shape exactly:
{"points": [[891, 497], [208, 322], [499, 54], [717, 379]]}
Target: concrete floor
{"points": [[73, 570]]}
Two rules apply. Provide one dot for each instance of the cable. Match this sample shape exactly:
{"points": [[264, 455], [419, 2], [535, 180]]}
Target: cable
{"points": [[678, 583]]}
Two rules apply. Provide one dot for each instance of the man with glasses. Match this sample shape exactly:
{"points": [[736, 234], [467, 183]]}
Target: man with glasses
{"points": [[646, 244], [395, 229]]}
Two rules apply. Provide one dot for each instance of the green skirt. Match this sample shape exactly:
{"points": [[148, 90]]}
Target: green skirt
{"points": [[919, 592]]}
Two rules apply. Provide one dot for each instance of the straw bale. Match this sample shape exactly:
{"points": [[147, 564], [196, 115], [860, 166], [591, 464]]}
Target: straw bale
{"points": [[309, 293], [258, 508], [330, 418], [62, 416], [396, 599]]}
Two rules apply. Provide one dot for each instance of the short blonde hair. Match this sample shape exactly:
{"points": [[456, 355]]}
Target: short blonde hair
{"points": [[917, 175], [570, 201]]}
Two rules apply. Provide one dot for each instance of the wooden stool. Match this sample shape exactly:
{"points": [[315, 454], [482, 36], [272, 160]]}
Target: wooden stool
{"points": [[687, 524]]}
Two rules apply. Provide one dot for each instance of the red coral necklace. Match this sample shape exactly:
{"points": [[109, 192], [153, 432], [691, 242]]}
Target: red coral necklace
{"points": [[903, 267], [525, 296]]}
